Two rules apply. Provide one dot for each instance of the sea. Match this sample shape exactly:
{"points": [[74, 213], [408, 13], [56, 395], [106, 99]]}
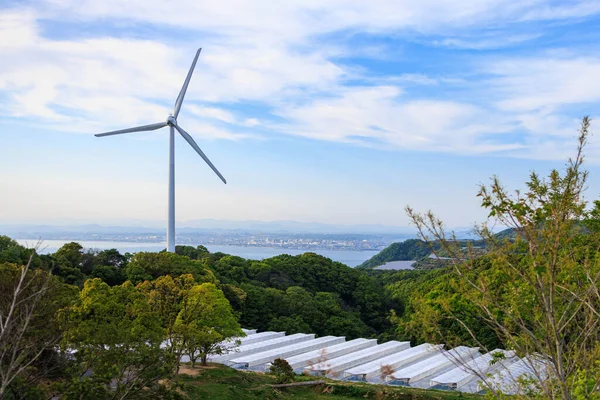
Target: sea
{"points": [[351, 258]]}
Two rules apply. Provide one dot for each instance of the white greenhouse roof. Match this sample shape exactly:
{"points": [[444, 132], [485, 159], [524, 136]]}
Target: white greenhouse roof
{"points": [[463, 374], [262, 358], [339, 364], [423, 366], [316, 356], [254, 348], [395, 361], [506, 379], [260, 337], [432, 365], [249, 332]]}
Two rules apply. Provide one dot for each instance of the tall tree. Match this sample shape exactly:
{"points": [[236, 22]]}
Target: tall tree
{"points": [[539, 293], [165, 297], [29, 301], [205, 322], [116, 339]]}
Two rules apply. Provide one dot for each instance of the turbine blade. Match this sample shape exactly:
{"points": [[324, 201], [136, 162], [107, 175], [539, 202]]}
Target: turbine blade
{"points": [[192, 143], [151, 127], [179, 100]]}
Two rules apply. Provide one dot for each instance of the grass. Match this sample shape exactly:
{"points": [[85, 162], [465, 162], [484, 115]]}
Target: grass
{"points": [[217, 382]]}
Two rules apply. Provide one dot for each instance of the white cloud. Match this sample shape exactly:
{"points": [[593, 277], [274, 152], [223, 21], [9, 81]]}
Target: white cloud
{"points": [[16, 29], [380, 117], [493, 41], [276, 55], [537, 83], [301, 19]]}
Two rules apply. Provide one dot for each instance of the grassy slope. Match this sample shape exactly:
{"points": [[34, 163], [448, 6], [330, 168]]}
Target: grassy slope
{"points": [[223, 383]]}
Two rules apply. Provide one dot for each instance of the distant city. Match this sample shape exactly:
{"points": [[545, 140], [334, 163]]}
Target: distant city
{"points": [[258, 234], [356, 242]]}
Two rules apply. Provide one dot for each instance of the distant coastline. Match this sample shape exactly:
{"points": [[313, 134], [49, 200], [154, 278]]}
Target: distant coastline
{"points": [[351, 258]]}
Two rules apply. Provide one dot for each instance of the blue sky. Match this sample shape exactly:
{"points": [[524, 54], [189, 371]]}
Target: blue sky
{"points": [[337, 112]]}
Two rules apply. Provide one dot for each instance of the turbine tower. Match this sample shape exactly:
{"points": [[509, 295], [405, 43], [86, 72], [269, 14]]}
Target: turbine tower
{"points": [[171, 122]]}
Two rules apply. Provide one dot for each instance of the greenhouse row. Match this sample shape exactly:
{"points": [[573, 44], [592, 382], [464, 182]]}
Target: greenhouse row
{"points": [[465, 369]]}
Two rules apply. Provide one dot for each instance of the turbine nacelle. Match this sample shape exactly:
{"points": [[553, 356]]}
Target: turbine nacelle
{"points": [[172, 121]]}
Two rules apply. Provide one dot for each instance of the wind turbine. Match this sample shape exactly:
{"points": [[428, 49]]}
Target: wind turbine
{"points": [[171, 122]]}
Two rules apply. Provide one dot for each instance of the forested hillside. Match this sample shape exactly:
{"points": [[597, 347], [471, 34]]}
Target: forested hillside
{"points": [[106, 297], [411, 249], [418, 250], [304, 293]]}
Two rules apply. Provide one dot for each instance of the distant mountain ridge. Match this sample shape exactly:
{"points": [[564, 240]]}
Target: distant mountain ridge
{"points": [[212, 225]]}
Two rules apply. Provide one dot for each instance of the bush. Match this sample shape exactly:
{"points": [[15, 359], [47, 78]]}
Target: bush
{"points": [[282, 371]]}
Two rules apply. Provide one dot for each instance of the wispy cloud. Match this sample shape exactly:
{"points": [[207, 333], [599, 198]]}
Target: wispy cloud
{"points": [[291, 68]]}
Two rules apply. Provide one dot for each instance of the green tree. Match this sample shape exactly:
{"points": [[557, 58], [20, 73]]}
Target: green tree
{"points": [[147, 266], [204, 322], [349, 325], [231, 269], [261, 306], [13, 252], [282, 371], [540, 291], [195, 253], [236, 297], [29, 303], [70, 254], [117, 341], [165, 297], [109, 274], [289, 325], [68, 262], [112, 258]]}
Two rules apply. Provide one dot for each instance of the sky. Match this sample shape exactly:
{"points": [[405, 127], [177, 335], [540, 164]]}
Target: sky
{"points": [[338, 112]]}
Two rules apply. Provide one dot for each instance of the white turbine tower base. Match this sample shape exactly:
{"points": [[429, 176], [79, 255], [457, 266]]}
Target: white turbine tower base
{"points": [[171, 122]]}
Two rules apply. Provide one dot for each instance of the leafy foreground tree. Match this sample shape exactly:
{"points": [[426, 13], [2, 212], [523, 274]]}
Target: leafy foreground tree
{"points": [[116, 339], [165, 296], [204, 322], [29, 302], [195, 317], [539, 292]]}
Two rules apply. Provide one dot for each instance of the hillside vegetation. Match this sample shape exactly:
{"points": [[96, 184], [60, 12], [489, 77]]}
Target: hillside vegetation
{"points": [[418, 250], [411, 249], [217, 382]]}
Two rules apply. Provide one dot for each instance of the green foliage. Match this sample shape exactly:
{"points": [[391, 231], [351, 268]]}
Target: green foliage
{"points": [[13, 252], [111, 275], [195, 253], [111, 258], [117, 341], [538, 291], [222, 383], [165, 297], [282, 370], [411, 249], [70, 255], [301, 293], [289, 325], [431, 303], [204, 321], [29, 303], [148, 266]]}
